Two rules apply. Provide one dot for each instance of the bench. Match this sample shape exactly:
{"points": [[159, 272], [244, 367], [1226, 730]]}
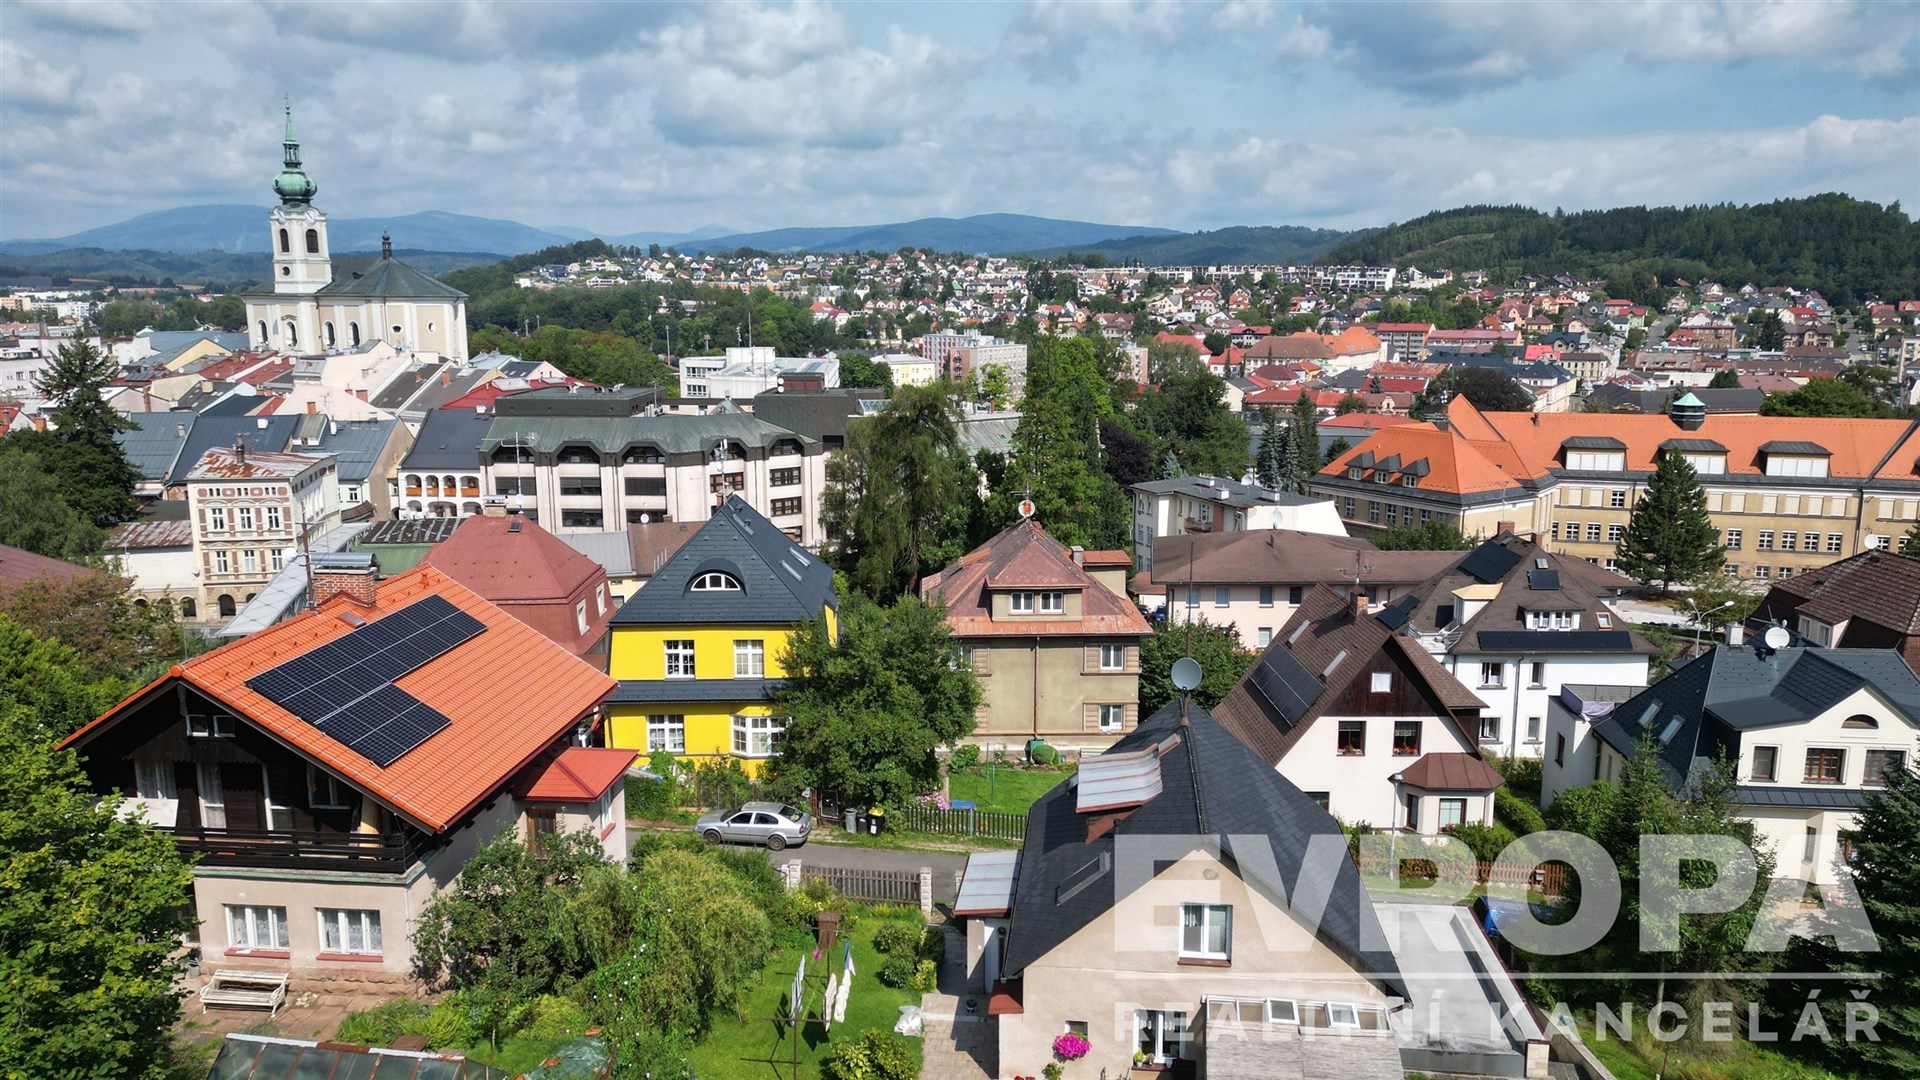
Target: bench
{"points": [[246, 990]]}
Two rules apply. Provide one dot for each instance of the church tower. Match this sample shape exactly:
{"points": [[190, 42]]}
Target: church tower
{"points": [[301, 262]]}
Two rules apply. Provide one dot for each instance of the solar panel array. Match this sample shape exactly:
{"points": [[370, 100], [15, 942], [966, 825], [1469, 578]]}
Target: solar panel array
{"points": [[1489, 563], [1288, 687], [1543, 580], [345, 687], [1395, 615]]}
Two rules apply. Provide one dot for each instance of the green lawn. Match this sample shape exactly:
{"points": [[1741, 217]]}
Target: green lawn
{"points": [[1642, 1059], [1006, 790], [760, 1047]]}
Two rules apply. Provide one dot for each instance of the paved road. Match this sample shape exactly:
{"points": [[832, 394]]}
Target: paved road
{"points": [[945, 864]]}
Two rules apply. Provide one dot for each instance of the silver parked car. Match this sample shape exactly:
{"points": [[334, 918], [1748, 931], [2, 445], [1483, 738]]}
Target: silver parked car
{"points": [[773, 824]]}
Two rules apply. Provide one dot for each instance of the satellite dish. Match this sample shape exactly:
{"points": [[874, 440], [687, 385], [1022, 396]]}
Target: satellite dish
{"points": [[1777, 637], [1186, 674], [646, 519], [1026, 508]]}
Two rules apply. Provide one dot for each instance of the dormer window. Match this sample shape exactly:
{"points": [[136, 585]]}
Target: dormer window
{"points": [[1046, 603], [1409, 480], [1595, 453], [1354, 471], [1553, 620], [715, 581]]}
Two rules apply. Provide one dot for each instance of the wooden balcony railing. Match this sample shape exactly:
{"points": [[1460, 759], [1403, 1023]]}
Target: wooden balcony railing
{"points": [[373, 852]]}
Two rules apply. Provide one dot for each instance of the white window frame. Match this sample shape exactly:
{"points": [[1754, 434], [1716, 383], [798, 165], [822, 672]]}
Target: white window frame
{"points": [[1490, 729], [1351, 1012], [749, 658], [1053, 603], [216, 519], [580, 616], [1113, 717], [758, 736], [273, 518], [1382, 682], [1204, 918], [341, 921], [1021, 603], [666, 732], [680, 658], [243, 518], [276, 920], [1493, 674], [1113, 658], [715, 581], [222, 562], [210, 726]]}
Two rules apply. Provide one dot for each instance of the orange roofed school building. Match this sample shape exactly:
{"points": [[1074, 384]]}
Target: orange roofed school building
{"points": [[1787, 493], [334, 772], [1051, 636]]}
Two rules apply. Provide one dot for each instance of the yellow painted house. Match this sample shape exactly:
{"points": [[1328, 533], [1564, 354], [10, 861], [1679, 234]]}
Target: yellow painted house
{"points": [[697, 650]]}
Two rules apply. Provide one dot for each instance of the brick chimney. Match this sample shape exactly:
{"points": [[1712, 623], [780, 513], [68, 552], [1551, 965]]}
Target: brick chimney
{"points": [[1502, 527], [356, 583], [1359, 600]]}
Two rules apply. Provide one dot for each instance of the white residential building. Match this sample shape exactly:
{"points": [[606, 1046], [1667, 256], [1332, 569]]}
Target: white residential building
{"points": [[1209, 504]]}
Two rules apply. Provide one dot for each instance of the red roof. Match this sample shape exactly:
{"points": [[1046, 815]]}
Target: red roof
{"points": [[514, 562], [508, 693], [1024, 556], [577, 774], [19, 566], [1451, 772]]}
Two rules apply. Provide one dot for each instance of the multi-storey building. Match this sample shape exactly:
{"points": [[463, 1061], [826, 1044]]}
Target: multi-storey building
{"points": [[1403, 341], [251, 512], [1208, 504], [1055, 644], [598, 460], [746, 370], [1787, 493], [700, 649], [954, 355]]}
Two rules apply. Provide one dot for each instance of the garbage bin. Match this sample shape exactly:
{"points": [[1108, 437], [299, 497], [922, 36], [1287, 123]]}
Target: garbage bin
{"points": [[856, 821], [876, 820]]}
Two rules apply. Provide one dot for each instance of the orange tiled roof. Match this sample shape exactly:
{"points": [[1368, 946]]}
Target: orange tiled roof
{"points": [[1454, 464], [508, 691], [575, 774], [1024, 556]]}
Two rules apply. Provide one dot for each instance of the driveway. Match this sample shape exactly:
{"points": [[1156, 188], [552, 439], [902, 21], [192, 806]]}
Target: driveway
{"points": [[946, 865]]}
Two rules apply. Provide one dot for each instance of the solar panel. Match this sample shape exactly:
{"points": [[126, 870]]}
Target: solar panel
{"points": [[345, 687], [1489, 562], [1395, 615], [384, 725], [1288, 687], [1543, 580]]}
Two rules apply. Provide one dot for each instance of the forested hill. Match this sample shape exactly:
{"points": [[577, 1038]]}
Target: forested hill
{"points": [[1847, 248], [1239, 244]]}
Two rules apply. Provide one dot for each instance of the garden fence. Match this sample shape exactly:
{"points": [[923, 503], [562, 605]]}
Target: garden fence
{"points": [[1548, 878], [924, 818], [869, 886]]}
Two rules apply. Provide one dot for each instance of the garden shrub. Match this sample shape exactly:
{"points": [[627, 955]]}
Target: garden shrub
{"points": [[926, 975], [897, 972], [892, 939], [933, 945], [721, 783], [1522, 775], [1517, 813], [651, 800], [1485, 841], [1046, 754], [964, 758], [875, 1055], [380, 1025], [555, 1017]]}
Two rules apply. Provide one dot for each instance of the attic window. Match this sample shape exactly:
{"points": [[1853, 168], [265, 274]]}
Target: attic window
{"points": [[715, 581], [1860, 720]]}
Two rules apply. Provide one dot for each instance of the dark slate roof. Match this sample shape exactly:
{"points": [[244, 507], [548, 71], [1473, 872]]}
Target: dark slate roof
{"points": [[355, 444], [270, 433], [1694, 446], [781, 583], [387, 277], [1557, 641], [1594, 442], [656, 691], [822, 415], [1213, 790], [1500, 625], [448, 439], [1785, 446], [1727, 692], [1799, 797], [1878, 587], [153, 443], [612, 435]]}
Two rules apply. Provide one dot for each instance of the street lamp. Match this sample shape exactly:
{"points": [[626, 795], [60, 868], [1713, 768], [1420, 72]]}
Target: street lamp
{"points": [[1698, 615], [1393, 827]]}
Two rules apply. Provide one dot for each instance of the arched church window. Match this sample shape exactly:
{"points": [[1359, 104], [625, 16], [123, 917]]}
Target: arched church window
{"points": [[329, 331], [263, 331], [313, 241], [353, 334], [293, 335], [286, 244], [188, 609]]}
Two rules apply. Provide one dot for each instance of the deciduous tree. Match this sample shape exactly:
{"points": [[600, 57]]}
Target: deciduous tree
{"points": [[1217, 649], [1825, 397], [35, 515], [900, 487]]}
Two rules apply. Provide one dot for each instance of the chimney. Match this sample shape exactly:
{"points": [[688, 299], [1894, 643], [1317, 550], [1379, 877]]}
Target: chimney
{"points": [[312, 407], [492, 508], [1359, 599], [356, 583], [239, 450], [1736, 634], [1440, 420], [1079, 555], [180, 430], [260, 422], [446, 377], [1502, 527]]}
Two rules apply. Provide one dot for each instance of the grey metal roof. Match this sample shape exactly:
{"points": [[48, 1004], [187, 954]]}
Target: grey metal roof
{"points": [[448, 439], [1594, 442], [153, 443], [270, 433], [1787, 446], [356, 444], [667, 691], [1554, 641], [1226, 492], [614, 434], [1695, 446], [172, 341], [986, 888], [408, 531], [288, 589], [781, 584], [825, 414], [1799, 797], [612, 549], [1214, 790], [387, 277]]}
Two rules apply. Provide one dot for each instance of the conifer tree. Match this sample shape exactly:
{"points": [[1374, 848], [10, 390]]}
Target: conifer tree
{"points": [[1306, 438], [1291, 458], [1266, 468], [1670, 538]]}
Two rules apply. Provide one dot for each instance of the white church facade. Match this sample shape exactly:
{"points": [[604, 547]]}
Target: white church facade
{"points": [[308, 308]]}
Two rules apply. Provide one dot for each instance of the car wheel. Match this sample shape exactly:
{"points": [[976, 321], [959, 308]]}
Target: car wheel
{"points": [[776, 843], [712, 836]]}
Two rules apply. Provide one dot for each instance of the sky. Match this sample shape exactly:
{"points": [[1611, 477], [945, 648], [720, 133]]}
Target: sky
{"points": [[621, 118]]}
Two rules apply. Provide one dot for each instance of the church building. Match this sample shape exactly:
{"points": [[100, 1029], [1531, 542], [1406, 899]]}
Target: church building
{"points": [[307, 308]]}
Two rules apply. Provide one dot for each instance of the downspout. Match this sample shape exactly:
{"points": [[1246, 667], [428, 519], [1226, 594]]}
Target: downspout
{"points": [[1036, 688], [1513, 735]]}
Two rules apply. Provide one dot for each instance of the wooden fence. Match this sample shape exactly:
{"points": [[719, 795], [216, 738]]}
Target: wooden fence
{"points": [[1548, 878], [869, 886], [926, 818]]}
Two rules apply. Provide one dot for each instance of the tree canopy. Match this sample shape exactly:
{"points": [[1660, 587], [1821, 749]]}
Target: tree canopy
{"points": [[1223, 660], [1826, 397], [899, 496], [1489, 391], [1188, 410], [1056, 451], [867, 710], [1670, 538], [1433, 535], [91, 471]]}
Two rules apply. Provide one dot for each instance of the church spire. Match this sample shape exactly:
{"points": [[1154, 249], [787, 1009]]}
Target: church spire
{"points": [[294, 186]]}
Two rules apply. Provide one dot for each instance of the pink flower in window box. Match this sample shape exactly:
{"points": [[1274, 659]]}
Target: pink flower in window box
{"points": [[1071, 1047]]}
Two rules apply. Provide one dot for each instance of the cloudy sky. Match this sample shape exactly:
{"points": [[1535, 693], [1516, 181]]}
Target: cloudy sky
{"points": [[628, 117]]}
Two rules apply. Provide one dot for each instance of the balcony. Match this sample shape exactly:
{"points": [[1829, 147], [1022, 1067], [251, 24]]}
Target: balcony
{"points": [[379, 853]]}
